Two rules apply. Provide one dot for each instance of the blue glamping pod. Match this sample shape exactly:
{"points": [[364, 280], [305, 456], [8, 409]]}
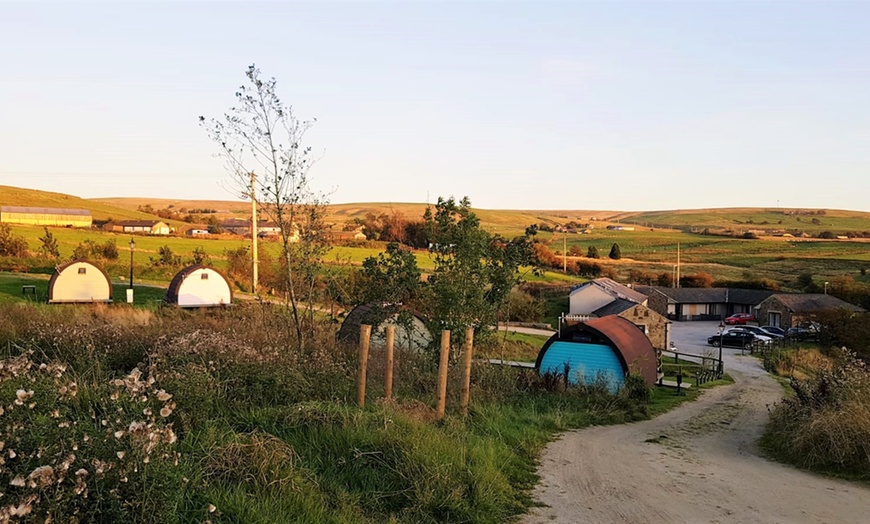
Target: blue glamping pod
{"points": [[602, 349]]}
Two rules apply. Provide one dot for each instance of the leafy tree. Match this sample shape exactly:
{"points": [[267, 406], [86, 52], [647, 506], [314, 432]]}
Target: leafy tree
{"points": [[48, 245], [615, 253], [166, 258], [474, 271], [199, 256], [390, 277], [261, 133], [592, 252], [11, 245]]}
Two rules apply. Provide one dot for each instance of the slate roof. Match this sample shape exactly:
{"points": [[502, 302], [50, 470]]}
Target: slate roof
{"points": [[614, 308], [709, 295], [137, 223], [615, 289], [812, 302]]}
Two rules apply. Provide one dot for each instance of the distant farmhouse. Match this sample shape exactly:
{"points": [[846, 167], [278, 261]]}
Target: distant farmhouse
{"points": [[46, 216], [265, 228], [603, 297], [149, 227]]}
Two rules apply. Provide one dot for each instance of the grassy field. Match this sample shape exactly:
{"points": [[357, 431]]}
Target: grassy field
{"points": [[179, 417], [651, 248]]}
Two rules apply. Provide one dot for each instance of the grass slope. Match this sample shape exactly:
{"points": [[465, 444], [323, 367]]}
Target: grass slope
{"points": [[16, 196]]}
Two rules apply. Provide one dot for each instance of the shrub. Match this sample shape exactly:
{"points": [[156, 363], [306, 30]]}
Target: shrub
{"points": [[12, 245], [826, 423]]}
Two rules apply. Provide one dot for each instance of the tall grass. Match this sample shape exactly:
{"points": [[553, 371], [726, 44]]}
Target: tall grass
{"points": [[825, 424], [173, 416]]}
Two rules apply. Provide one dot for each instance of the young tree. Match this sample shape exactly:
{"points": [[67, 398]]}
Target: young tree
{"points": [[261, 134], [592, 252], [615, 253], [48, 245], [474, 272]]}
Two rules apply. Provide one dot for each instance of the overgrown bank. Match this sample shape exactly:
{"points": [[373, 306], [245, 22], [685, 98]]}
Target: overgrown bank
{"points": [[823, 423], [119, 415]]}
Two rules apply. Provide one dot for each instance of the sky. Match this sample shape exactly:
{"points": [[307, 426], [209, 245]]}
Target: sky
{"points": [[516, 104]]}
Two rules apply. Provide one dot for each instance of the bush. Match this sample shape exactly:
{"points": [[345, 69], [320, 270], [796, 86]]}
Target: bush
{"points": [[522, 307], [825, 425], [12, 245]]}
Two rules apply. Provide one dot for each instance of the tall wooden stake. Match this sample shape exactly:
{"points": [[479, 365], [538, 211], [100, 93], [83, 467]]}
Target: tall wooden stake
{"points": [[254, 256], [466, 380], [388, 381], [365, 337], [442, 373]]}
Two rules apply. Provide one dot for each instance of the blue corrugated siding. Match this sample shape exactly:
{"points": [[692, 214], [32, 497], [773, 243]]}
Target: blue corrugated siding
{"points": [[586, 361]]}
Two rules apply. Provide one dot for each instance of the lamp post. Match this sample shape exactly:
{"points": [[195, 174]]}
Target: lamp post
{"points": [[826, 288], [130, 289], [721, 333]]}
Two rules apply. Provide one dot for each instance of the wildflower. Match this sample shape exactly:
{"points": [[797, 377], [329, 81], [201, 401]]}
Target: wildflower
{"points": [[41, 476], [21, 396]]}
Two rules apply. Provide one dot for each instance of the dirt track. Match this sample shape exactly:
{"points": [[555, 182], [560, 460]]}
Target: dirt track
{"points": [[698, 463]]}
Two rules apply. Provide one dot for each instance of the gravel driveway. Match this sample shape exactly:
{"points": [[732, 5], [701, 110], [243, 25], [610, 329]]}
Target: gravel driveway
{"points": [[697, 463]]}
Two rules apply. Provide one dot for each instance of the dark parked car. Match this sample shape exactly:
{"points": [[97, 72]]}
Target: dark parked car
{"points": [[774, 330], [760, 331], [734, 339], [802, 333]]}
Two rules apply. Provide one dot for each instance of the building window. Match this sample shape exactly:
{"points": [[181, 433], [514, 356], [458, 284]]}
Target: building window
{"points": [[83, 270], [204, 276]]}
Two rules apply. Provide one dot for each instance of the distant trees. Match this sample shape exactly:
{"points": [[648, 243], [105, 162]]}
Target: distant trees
{"points": [[90, 250], [615, 253]]}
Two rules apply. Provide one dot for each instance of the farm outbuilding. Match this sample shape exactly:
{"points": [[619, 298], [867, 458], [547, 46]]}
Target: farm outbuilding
{"points": [[199, 286], [606, 348], [45, 216], [411, 333], [79, 281]]}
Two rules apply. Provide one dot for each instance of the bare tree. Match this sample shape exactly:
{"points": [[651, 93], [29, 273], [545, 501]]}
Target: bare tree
{"points": [[262, 135]]}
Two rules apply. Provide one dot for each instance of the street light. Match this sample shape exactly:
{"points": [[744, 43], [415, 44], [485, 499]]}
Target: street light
{"points": [[826, 288], [132, 247], [721, 333]]}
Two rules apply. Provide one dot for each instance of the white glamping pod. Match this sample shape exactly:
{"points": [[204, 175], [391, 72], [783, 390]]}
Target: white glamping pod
{"points": [[199, 286], [79, 281]]}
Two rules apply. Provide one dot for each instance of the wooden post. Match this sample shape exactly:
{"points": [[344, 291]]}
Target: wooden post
{"points": [[388, 385], [442, 373], [466, 380], [365, 336]]}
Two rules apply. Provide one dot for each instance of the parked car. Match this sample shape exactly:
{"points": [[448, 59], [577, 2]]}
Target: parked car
{"points": [[758, 331], [739, 319], [774, 330], [736, 339], [809, 332]]}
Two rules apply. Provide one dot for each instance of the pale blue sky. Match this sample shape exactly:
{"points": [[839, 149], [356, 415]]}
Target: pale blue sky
{"points": [[532, 105]]}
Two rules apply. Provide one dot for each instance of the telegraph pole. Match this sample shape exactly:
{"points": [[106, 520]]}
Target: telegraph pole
{"points": [[565, 254], [254, 231]]}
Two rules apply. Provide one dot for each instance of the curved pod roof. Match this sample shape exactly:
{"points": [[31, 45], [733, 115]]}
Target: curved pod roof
{"points": [[77, 282], [413, 335], [199, 286], [630, 346]]}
